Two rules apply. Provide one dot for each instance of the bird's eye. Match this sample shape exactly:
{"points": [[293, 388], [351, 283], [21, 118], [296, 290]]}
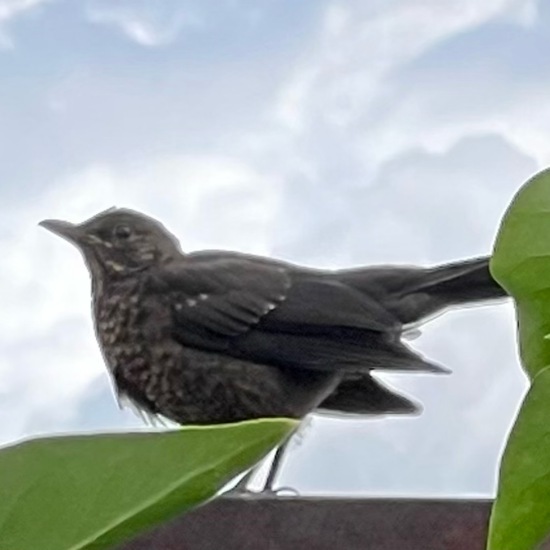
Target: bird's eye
{"points": [[122, 232]]}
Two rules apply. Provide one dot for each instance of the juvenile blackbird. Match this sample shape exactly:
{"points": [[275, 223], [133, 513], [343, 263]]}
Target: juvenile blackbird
{"points": [[214, 337]]}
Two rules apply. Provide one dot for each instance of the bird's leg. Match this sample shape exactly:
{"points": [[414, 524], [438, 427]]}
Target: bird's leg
{"points": [[241, 488], [274, 470], [275, 467]]}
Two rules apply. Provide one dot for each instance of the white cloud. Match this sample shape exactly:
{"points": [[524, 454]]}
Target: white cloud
{"points": [[147, 22], [10, 10], [155, 23], [355, 110], [361, 43], [351, 83]]}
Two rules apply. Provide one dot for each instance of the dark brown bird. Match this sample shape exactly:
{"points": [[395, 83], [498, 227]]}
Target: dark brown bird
{"points": [[215, 337]]}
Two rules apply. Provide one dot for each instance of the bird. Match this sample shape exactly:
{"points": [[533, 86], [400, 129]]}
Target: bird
{"points": [[215, 337]]}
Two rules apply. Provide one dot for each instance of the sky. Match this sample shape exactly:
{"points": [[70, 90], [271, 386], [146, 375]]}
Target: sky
{"points": [[327, 133]]}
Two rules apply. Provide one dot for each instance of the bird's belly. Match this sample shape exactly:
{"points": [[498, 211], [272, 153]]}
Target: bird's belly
{"points": [[190, 386]]}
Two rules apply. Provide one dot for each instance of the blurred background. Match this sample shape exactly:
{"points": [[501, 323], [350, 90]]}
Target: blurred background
{"points": [[329, 133]]}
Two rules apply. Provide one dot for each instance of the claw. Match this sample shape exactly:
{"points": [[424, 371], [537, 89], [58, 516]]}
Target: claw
{"points": [[283, 492]]}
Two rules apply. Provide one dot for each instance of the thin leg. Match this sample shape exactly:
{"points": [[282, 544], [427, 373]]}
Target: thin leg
{"points": [[275, 467], [241, 488]]}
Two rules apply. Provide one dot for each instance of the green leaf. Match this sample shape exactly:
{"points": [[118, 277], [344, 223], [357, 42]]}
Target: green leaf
{"points": [[521, 264], [520, 519], [96, 491]]}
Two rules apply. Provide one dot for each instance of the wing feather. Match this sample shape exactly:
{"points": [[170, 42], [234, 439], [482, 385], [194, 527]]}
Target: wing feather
{"points": [[276, 314]]}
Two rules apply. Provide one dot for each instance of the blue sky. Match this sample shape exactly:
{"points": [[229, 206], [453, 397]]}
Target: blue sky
{"points": [[329, 133]]}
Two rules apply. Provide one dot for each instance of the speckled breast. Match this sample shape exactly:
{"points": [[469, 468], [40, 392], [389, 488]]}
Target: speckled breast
{"points": [[119, 329]]}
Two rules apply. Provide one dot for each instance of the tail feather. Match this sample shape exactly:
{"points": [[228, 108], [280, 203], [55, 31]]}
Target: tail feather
{"points": [[413, 294], [465, 281]]}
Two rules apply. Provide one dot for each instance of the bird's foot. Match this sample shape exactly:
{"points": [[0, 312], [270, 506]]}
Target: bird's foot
{"points": [[266, 492], [281, 492]]}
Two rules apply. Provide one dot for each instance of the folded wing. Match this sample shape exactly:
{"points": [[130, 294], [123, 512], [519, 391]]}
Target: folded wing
{"points": [[272, 313]]}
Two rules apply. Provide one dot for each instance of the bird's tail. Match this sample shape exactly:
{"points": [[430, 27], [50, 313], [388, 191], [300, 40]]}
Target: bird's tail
{"points": [[453, 284], [413, 294]]}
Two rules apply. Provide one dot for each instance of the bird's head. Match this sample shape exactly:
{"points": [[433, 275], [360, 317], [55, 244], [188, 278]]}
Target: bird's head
{"points": [[118, 241]]}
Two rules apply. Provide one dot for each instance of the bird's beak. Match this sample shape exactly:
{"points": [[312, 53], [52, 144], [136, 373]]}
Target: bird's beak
{"points": [[68, 231]]}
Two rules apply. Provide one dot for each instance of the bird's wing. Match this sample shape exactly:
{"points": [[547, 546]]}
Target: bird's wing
{"points": [[224, 297], [280, 315], [229, 296]]}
